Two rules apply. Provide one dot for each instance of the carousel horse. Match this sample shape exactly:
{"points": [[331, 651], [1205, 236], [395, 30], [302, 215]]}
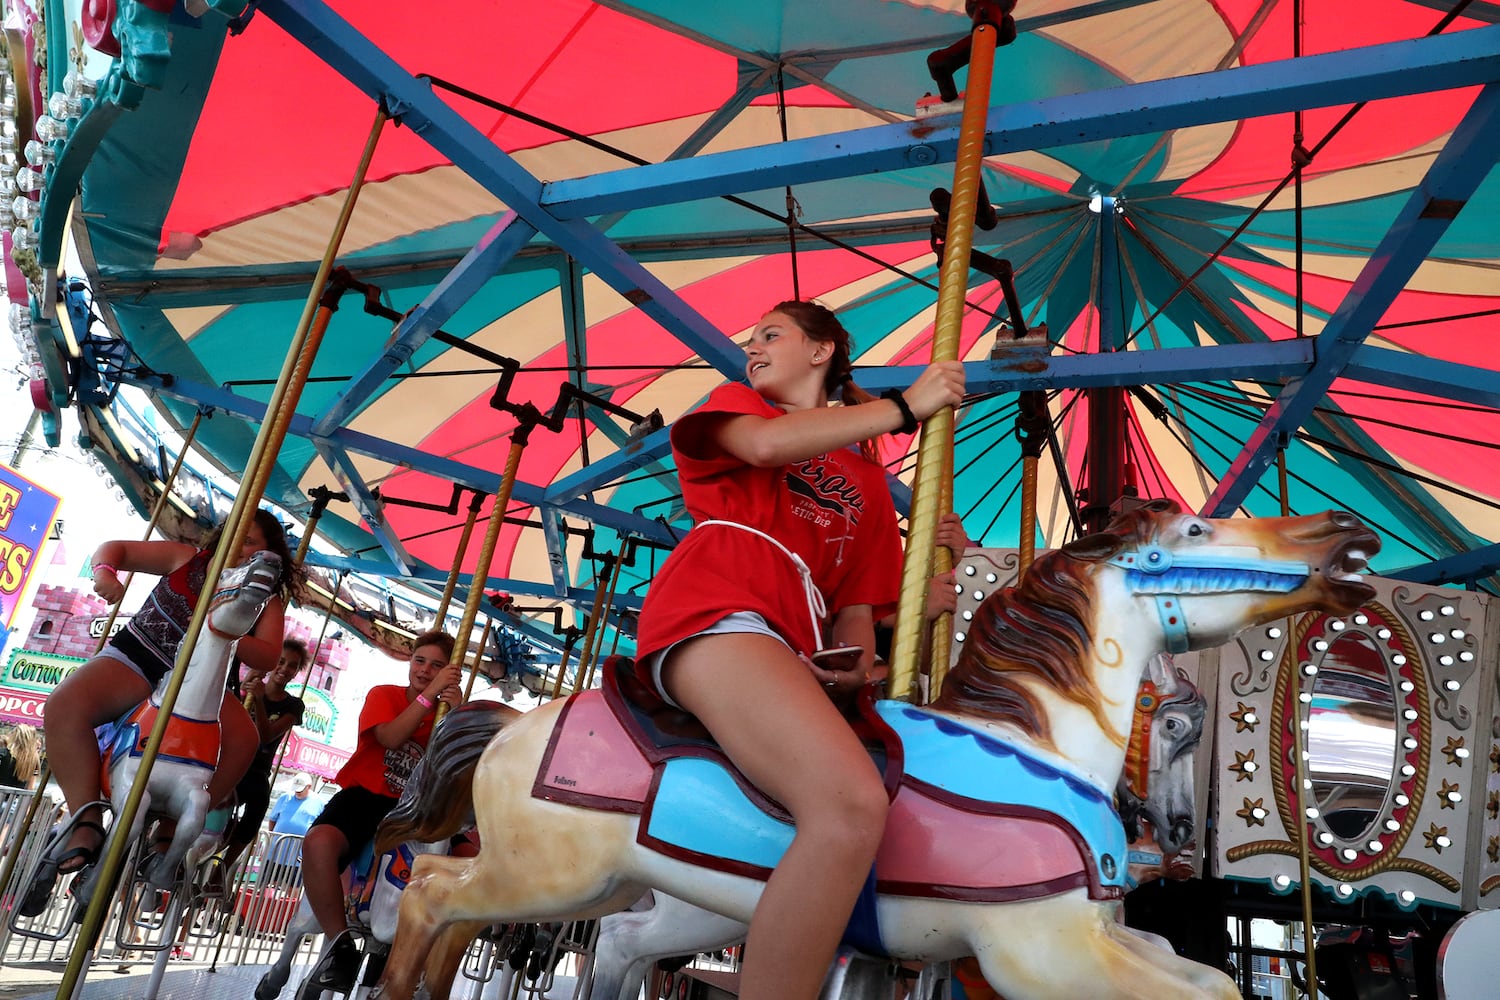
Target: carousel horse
{"points": [[1158, 789], [419, 824], [1024, 745], [1157, 784], [177, 789]]}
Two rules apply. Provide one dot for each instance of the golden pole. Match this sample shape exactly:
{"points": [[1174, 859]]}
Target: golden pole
{"points": [[518, 440], [598, 643], [937, 430], [588, 641], [14, 853], [940, 637], [1299, 742], [484, 639], [282, 405], [458, 558]]}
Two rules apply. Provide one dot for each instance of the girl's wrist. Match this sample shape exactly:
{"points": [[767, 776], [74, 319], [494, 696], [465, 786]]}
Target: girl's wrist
{"points": [[908, 419], [103, 567]]}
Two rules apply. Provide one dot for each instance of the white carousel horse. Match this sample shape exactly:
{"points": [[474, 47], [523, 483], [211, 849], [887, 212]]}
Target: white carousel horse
{"points": [[1172, 711], [1037, 707], [177, 788], [420, 824]]}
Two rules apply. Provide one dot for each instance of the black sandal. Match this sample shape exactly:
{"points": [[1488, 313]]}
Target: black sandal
{"points": [[50, 869]]}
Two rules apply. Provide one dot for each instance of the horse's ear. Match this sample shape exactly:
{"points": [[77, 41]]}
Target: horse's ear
{"points": [[1162, 506], [1096, 547]]}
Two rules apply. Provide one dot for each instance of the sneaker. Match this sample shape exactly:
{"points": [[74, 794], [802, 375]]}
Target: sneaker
{"points": [[337, 970]]}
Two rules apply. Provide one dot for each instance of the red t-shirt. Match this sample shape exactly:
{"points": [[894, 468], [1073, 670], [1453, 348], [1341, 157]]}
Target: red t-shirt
{"points": [[374, 767], [834, 511]]}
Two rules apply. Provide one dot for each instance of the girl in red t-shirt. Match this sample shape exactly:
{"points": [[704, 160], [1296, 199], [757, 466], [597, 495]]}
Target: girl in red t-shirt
{"points": [[771, 472]]}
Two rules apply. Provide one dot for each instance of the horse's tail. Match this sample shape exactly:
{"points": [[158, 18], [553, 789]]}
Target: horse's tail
{"points": [[438, 800]]}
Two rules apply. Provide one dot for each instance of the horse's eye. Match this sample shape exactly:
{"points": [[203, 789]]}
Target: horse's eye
{"points": [[1195, 529]]}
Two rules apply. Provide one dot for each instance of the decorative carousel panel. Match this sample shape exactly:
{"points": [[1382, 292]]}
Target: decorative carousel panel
{"points": [[1487, 763], [1157, 795], [1390, 699]]}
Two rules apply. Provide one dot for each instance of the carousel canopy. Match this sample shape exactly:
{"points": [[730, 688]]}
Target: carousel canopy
{"points": [[1276, 233]]}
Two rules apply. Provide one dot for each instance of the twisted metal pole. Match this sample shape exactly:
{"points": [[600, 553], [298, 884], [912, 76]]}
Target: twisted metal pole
{"points": [[937, 430], [1299, 755]]}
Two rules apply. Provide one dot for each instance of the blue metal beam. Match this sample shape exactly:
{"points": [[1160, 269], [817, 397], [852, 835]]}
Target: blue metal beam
{"points": [[1015, 371], [504, 239], [414, 104], [520, 588], [1395, 69], [1428, 376], [370, 508], [1458, 170], [1462, 568], [472, 476]]}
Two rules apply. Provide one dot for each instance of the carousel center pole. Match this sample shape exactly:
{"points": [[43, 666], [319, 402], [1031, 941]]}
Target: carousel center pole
{"points": [[934, 456], [282, 404]]}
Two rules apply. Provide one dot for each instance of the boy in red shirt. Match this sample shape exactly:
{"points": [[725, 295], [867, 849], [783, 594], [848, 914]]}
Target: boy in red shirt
{"points": [[394, 727]]}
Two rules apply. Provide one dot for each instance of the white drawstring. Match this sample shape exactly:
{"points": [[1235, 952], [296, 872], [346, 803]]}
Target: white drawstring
{"points": [[815, 606]]}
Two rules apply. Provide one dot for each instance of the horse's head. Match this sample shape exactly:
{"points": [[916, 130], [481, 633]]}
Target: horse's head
{"points": [[242, 593], [1204, 580]]}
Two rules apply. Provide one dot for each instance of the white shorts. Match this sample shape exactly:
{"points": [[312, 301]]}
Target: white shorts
{"points": [[738, 621]]}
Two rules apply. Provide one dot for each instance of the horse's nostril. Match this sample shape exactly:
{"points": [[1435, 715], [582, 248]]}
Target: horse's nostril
{"points": [[1344, 519]]}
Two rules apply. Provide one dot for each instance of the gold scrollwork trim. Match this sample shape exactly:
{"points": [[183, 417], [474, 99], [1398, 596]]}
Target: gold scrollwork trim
{"points": [[1387, 860], [1489, 884], [1242, 851]]}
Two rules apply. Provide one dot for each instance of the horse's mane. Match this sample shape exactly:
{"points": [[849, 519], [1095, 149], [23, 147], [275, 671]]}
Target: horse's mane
{"points": [[1039, 630], [437, 802]]}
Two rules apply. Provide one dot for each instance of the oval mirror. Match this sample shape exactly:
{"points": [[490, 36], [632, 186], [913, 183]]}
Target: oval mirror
{"points": [[1351, 736]]}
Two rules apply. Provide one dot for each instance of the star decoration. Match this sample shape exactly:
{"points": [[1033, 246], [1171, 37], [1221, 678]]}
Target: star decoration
{"points": [[1494, 850], [1254, 813], [1493, 805], [1433, 834], [1445, 795], [1244, 765], [1455, 744], [1245, 718]]}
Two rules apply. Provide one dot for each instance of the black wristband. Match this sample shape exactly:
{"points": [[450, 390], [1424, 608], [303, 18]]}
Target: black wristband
{"points": [[908, 419]]}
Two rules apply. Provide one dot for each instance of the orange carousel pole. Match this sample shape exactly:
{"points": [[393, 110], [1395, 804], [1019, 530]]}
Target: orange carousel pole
{"points": [[937, 430]]}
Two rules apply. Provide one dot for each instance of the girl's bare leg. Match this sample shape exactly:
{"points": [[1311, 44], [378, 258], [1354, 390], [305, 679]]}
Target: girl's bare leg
{"points": [[776, 723], [238, 741], [100, 691]]}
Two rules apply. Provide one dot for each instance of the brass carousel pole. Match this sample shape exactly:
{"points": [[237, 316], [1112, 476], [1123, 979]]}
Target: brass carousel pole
{"points": [[518, 439], [601, 594], [1299, 743], [279, 410], [598, 643], [458, 558], [937, 430], [45, 775]]}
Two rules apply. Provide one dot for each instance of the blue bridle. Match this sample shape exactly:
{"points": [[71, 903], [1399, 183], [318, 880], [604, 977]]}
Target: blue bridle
{"points": [[1152, 569]]}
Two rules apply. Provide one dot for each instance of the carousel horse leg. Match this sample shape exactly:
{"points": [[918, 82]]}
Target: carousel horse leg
{"points": [[537, 861], [1069, 946], [447, 955], [631, 942]]}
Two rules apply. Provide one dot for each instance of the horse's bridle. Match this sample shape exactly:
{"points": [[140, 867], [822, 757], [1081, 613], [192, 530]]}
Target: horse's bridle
{"points": [[1153, 569]]}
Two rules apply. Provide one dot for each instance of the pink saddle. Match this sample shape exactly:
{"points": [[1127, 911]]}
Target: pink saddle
{"points": [[608, 754]]}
